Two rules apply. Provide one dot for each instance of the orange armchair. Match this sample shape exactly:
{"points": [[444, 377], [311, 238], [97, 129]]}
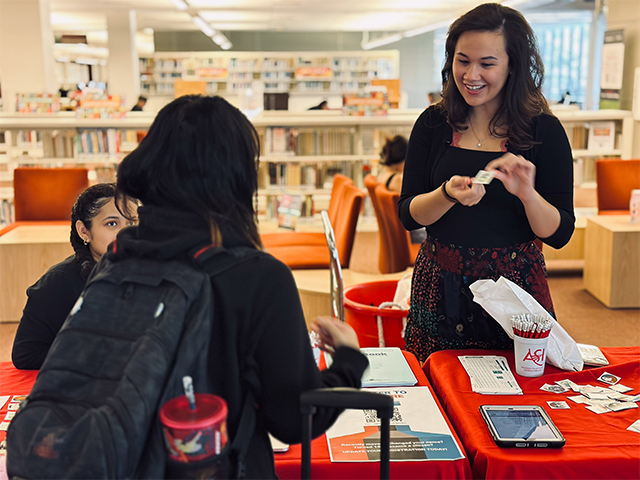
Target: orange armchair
{"points": [[616, 178], [313, 255], [396, 251], [47, 193], [271, 240], [371, 183]]}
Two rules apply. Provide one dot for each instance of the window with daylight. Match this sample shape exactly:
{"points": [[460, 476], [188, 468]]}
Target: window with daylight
{"points": [[563, 40], [565, 54]]}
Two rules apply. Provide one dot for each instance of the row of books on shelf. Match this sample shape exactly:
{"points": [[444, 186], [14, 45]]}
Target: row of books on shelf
{"points": [[584, 170], [597, 136], [287, 209], [73, 143], [302, 176], [384, 65], [309, 141], [37, 103]]}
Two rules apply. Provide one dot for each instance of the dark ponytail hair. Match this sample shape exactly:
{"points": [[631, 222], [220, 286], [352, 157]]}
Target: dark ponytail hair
{"points": [[85, 209], [523, 97], [394, 151]]}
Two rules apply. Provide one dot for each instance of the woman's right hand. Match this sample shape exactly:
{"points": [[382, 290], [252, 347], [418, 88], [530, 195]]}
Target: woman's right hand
{"points": [[464, 190], [334, 334]]}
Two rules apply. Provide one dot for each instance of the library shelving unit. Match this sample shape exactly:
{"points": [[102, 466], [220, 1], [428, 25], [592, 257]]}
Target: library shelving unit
{"points": [[300, 151], [577, 124], [229, 73], [61, 139]]}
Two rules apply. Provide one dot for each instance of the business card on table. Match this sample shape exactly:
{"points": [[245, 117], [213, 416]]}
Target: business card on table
{"points": [[554, 388], [578, 399], [598, 409], [620, 388], [635, 426], [618, 406], [558, 405], [609, 378], [568, 384]]}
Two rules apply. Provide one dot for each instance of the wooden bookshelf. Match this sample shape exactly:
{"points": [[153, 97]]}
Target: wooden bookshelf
{"points": [[326, 142], [229, 73]]}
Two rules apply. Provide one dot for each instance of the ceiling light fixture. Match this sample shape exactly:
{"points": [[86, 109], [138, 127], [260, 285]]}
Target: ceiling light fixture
{"points": [[426, 28], [367, 44], [202, 24], [379, 42], [180, 4], [218, 37]]}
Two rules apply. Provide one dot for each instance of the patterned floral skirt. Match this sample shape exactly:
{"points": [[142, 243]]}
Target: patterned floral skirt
{"points": [[443, 314]]}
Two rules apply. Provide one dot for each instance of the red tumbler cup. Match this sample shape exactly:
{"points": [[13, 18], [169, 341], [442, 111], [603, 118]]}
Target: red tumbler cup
{"points": [[194, 435]]}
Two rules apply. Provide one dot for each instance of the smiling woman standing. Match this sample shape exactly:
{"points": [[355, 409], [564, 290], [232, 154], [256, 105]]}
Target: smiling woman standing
{"points": [[492, 117]]}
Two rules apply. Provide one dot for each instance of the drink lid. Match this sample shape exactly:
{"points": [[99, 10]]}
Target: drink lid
{"points": [[210, 410]]}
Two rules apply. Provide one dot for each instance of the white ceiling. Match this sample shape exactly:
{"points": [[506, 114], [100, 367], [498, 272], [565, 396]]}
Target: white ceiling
{"points": [[81, 16]]}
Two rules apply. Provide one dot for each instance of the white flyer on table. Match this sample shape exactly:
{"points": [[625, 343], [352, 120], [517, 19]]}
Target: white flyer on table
{"points": [[490, 375], [419, 432]]}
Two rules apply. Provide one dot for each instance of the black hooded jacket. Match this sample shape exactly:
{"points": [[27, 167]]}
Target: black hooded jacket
{"points": [[259, 339]]}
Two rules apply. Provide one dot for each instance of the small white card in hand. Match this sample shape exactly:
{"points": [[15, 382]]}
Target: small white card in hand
{"points": [[483, 177]]}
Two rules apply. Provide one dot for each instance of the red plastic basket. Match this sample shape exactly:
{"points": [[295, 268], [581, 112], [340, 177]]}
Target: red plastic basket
{"points": [[361, 311]]}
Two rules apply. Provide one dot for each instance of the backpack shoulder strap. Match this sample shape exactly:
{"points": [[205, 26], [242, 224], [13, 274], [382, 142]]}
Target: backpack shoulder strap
{"points": [[215, 260]]}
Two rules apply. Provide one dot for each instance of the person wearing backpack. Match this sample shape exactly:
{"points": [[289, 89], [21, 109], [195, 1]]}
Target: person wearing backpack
{"points": [[195, 174]]}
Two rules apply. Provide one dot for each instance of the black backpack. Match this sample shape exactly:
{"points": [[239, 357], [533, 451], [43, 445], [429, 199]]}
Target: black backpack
{"points": [[139, 326]]}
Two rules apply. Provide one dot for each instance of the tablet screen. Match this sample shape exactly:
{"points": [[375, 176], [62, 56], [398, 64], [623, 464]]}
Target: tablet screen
{"points": [[525, 424]]}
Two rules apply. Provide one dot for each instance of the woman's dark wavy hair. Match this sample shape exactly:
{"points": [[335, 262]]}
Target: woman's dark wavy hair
{"points": [[523, 97], [85, 209], [201, 155], [394, 151]]}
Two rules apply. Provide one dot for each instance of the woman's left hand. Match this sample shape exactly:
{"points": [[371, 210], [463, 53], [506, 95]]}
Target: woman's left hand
{"points": [[516, 174]]}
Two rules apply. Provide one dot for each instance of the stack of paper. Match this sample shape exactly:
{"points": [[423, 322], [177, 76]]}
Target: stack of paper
{"points": [[490, 375], [387, 367]]}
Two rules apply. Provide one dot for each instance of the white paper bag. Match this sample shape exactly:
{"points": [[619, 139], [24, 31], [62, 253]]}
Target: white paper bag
{"points": [[403, 291], [503, 298]]}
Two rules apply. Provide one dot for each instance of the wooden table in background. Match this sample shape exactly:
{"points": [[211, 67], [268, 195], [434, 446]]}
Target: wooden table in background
{"points": [[27, 252], [612, 261]]}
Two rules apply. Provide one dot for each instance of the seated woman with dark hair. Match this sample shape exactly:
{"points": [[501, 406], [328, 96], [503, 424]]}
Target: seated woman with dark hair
{"points": [[196, 175], [392, 161], [95, 221]]}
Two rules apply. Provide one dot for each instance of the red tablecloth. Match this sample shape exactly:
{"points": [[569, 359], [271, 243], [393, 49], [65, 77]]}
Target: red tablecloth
{"points": [[288, 463], [598, 446], [14, 382], [19, 382]]}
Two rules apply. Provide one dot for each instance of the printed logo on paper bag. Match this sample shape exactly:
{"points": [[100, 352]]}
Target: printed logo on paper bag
{"points": [[536, 357]]}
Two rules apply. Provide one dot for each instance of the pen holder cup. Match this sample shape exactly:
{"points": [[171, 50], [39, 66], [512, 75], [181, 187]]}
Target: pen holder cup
{"points": [[530, 355]]}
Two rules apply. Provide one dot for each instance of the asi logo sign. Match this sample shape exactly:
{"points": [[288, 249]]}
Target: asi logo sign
{"points": [[536, 357]]}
